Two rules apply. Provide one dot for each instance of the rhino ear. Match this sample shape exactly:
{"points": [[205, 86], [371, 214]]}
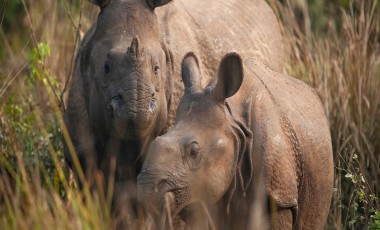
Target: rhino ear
{"points": [[190, 71], [100, 3], [230, 77], [156, 3]]}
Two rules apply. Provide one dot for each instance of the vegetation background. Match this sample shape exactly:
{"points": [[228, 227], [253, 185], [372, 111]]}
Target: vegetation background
{"points": [[334, 47]]}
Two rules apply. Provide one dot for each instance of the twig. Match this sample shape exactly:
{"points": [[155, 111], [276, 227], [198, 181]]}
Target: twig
{"points": [[208, 216], [52, 87], [10, 82], [34, 38], [30, 23], [77, 38], [69, 14], [7, 45], [167, 211], [13, 67], [3, 13]]}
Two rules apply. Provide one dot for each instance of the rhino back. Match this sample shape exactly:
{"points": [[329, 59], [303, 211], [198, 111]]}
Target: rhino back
{"points": [[291, 97], [298, 102], [248, 27], [212, 28]]}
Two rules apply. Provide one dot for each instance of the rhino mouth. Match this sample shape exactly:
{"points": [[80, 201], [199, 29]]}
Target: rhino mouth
{"points": [[130, 129], [183, 206], [180, 207], [175, 199], [120, 109], [188, 211], [130, 123]]}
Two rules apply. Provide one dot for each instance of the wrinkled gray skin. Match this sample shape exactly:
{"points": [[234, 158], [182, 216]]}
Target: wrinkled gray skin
{"points": [[242, 146], [126, 83]]}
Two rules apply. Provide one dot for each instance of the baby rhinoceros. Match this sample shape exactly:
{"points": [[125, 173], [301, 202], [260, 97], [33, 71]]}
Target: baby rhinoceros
{"points": [[249, 149]]}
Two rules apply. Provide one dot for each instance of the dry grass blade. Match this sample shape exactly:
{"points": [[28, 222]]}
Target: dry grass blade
{"points": [[343, 64]]}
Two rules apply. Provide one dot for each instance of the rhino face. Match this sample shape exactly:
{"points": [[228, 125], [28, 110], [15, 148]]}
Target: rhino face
{"points": [[196, 160], [127, 67]]}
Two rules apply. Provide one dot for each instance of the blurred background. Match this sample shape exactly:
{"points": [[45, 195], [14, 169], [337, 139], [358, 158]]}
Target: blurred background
{"points": [[334, 46]]}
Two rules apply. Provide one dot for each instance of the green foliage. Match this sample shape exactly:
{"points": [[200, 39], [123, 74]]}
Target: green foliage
{"points": [[36, 190], [375, 220], [24, 129], [362, 204], [33, 179], [38, 70]]}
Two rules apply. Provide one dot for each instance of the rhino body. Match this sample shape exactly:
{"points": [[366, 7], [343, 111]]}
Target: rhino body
{"points": [[126, 83], [245, 147]]}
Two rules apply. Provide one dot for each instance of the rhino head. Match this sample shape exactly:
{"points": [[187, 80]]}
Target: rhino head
{"points": [[127, 70], [196, 160]]}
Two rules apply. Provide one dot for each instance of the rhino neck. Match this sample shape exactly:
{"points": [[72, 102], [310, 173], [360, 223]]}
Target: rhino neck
{"points": [[243, 140], [168, 123], [179, 42]]}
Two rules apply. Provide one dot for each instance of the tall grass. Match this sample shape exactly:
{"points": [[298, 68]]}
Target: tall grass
{"points": [[342, 61], [333, 48], [38, 42]]}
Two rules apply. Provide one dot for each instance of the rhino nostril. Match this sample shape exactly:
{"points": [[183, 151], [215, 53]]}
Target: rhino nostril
{"points": [[152, 106], [116, 102]]}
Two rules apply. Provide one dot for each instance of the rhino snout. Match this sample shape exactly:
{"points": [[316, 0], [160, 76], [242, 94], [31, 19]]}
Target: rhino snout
{"points": [[153, 193], [147, 189], [131, 108]]}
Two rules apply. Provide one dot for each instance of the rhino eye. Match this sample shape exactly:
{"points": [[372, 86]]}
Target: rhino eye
{"points": [[106, 68], [156, 68], [193, 155], [194, 150]]}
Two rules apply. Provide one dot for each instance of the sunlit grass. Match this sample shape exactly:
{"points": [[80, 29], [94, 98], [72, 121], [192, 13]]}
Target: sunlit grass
{"points": [[342, 63]]}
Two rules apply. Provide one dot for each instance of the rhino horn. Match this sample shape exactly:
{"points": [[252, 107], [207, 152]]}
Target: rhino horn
{"points": [[156, 3], [134, 50]]}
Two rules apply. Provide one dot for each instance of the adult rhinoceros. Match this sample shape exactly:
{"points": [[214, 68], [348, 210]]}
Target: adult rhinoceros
{"points": [[126, 83]]}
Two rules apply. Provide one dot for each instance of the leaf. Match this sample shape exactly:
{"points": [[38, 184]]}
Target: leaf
{"points": [[361, 194], [352, 222]]}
